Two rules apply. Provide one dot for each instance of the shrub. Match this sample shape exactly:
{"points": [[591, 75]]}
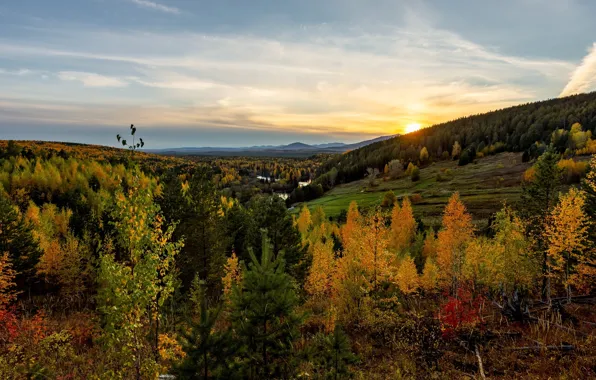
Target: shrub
{"points": [[415, 175], [416, 198]]}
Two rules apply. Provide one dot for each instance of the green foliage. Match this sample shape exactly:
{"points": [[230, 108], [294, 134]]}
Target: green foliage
{"points": [[389, 199], [513, 129], [209, 354], [264, 318], [16, 239], [332, 355], [270, 214], [135, 280]]}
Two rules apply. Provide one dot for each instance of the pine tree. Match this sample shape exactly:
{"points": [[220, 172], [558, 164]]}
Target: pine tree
{"points": [[589, 188], [538, 198], [209, 353], [263, 315], [333, 355], [16, 239]]}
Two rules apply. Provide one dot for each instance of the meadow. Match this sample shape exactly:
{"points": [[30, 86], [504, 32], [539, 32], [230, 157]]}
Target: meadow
{"points": [[483, 186]]}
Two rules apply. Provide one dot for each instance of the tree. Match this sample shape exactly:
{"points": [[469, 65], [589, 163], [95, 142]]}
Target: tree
{"points": [[395, 169], [202, 226], [133, 289], [538, 198], [270, 214], [208, 352], [567, 235], [319, 281], [451, 241], [388, 199], [403, 226], [429, 249], [373, 243], [318, 216], [423, 154], [333, 355], [407, 276], [8, 291], [232, 274], [589, 188], [16, 239], [263, 315], [430, 276], [304, 220], [511, 263], [456, 151]]}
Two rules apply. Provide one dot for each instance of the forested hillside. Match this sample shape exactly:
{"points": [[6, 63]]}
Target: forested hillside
{"points": [[122, 265], [524, 128]]}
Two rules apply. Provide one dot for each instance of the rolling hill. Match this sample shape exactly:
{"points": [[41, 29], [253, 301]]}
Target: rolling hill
{"points": [[296, 149]]}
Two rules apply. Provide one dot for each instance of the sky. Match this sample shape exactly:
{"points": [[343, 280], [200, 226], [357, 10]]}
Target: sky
{"points": [[241, 73]]}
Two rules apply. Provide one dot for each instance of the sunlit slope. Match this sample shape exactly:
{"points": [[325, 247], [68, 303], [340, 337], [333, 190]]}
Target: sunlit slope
{"points": [[483, 186]]}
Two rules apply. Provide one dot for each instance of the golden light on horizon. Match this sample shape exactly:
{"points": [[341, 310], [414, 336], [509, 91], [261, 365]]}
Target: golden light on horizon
{"points": [[413, 127]]}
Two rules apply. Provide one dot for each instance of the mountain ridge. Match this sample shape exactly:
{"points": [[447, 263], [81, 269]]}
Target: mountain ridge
{"points": [[295, 147]]}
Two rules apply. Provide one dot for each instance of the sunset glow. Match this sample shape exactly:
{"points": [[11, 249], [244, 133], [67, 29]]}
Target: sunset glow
{"points": [[412, 127]]}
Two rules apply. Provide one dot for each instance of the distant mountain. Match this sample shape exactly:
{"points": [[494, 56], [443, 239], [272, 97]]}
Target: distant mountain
{"points": [[295, 149]]}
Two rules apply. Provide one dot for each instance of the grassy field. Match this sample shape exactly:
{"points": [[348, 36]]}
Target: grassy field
{"points": [[484, 186]]}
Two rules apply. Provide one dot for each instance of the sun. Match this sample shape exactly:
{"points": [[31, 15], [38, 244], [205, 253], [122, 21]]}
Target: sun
{"points": [[412, 127]]}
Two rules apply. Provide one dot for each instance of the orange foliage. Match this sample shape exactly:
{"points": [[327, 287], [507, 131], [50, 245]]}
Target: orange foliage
{"points": [[452, 239], [403, 225]]}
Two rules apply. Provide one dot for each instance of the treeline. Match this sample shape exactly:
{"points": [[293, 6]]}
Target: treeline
{"points": [[528, 128]]}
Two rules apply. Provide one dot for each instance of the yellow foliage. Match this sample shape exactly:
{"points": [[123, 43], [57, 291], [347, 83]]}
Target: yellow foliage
{"points": [[567, 235], [407, 278], [304, 221], [529, 174], [319, 280], [232, 275], [7, 284], [451, 241], [403, 226], [430, 276], [429, 249]]}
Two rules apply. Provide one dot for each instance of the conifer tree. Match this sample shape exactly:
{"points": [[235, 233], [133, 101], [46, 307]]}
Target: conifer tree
{"points": [[589, 188], [209, 353], [538, 198], [333, 355], [263, 315], [16, 239]]}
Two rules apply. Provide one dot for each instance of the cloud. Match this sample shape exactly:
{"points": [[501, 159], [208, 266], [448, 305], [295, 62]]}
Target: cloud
{"points": [[583, 78], [92, 79], [156, 6], [314, 80]]}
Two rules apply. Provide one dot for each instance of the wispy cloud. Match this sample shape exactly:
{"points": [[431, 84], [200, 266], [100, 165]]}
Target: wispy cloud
{"points": [[583, 77], [318, 81], [92, 79], [156, 6]]}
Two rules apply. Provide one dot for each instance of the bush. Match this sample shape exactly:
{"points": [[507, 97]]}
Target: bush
{"points": [[388, 199], [415, 174], [416, 198]]}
